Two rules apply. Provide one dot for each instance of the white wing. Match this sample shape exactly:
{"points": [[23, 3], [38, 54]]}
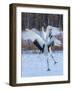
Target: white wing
{"points": [[57, 42], [55, 30], [29, 34]]}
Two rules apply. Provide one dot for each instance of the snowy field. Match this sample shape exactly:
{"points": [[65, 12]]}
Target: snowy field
{"points": [[36, 64]]}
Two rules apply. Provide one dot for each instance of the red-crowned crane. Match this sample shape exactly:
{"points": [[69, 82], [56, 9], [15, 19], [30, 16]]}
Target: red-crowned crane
{"points": [[44, 42]]}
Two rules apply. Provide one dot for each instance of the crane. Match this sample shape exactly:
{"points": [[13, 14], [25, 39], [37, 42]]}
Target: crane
{"points": [[44, 42]]}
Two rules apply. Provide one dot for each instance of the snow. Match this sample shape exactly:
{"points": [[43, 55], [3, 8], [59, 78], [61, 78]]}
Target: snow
{"points": [[35, 64]]}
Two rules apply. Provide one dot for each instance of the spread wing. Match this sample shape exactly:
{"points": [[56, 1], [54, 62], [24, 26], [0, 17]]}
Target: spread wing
{"points": [[57, 42], [54, 41], [29, 34], [55, 30]]}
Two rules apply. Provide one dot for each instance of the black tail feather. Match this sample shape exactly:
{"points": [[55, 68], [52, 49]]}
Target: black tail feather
{"points": [[38, 46]]}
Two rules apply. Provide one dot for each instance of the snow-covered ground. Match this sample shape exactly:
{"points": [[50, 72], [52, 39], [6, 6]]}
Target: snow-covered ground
{"points": [[36, 64]]}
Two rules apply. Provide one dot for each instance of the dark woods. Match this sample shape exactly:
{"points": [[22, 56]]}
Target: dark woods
{"points": [[37, 20]]}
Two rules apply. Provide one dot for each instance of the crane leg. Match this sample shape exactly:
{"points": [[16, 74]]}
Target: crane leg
{"points": [[48, 65], [53, 59], [52, 55]]}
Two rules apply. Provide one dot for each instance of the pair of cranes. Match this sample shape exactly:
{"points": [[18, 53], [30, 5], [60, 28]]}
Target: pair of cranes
{"points": [[44, 42]]}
